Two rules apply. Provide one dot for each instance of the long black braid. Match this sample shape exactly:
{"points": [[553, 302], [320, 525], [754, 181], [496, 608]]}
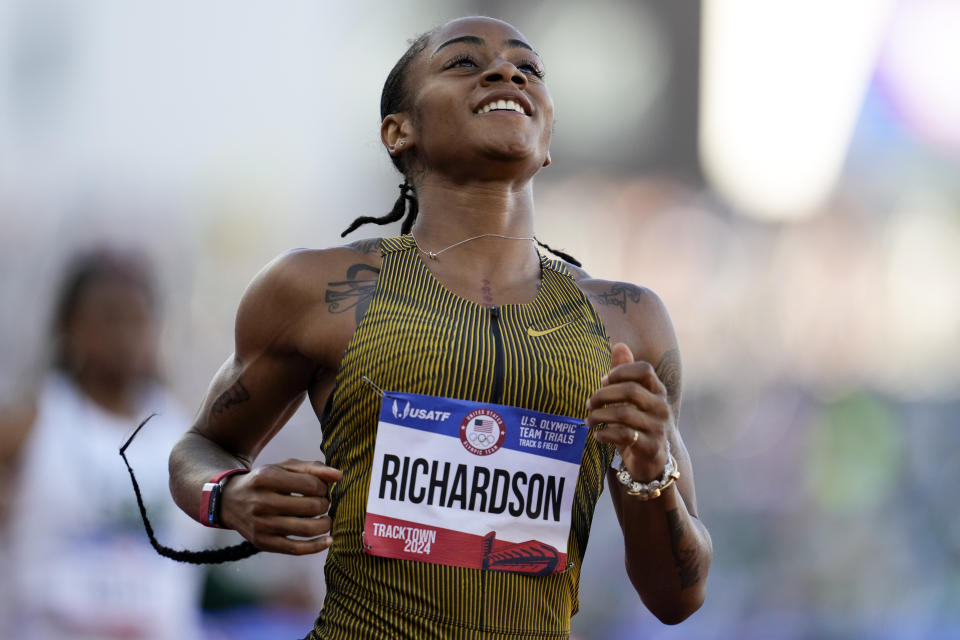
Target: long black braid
{"points": [[209, 556], [560, 254], [399, 211], [395, 98]]}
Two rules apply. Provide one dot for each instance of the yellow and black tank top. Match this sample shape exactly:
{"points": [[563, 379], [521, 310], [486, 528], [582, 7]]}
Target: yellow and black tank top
{"points": [[418, 337]]}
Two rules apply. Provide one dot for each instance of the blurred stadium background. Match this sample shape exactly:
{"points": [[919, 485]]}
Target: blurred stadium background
{"points": [[786, 175]]}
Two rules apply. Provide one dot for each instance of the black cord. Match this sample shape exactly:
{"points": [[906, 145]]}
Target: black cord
{"points": [[209, 556]]}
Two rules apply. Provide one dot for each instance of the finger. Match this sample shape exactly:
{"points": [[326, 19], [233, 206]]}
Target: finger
{"points": [[623, 437], [629, 392], [314, 468], [627, 415], [299, 527], [620, 354], [298, 506], [292, 546], [277, 479], [639, 371]]}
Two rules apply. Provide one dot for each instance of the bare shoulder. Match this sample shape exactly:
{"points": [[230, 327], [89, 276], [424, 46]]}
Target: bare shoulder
{"points": [[634, 315], [368, 246], [624, 297], [637, 316], [302, 271], [631, 314], [303, 289], [302, 276]]}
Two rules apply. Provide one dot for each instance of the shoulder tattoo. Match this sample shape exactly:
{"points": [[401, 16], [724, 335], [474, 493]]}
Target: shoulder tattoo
{"points": [[369, 246], [353, 293], [618, 295]]}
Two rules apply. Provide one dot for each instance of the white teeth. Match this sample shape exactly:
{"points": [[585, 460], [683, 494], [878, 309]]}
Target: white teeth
{"points": [[516, 107], [507, 105]]}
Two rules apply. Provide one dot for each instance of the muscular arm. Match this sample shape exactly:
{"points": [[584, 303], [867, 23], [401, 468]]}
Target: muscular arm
{"points": [[287, 342], [667, 549]]}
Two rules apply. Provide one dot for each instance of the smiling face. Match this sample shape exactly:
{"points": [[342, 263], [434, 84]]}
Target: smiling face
{"points": [[478, 107]]}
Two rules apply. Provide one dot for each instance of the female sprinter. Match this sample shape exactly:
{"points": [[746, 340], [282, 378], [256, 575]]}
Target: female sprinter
{"points": [[452, 369]]}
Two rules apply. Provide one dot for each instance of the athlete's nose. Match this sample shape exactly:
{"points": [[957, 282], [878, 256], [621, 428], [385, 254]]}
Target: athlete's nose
{"points": [[502, 70]]}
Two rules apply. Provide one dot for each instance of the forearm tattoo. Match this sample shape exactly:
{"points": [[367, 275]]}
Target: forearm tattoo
{"points": [[685, 557], [353, 293], [668, 370], [619, 295], [236, 394]]}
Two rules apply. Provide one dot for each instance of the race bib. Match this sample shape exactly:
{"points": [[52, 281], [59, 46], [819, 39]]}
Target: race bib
{"points": [[466, 484]]}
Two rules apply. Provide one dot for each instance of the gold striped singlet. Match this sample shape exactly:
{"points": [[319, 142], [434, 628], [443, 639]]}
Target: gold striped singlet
{"points": [[418, 337]]}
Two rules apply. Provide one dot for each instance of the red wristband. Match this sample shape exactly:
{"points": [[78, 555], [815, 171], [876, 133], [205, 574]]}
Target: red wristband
{"points": [[210, 498]]}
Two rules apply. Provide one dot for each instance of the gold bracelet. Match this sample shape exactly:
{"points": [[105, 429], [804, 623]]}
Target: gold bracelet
{"points": [[649, 490]]}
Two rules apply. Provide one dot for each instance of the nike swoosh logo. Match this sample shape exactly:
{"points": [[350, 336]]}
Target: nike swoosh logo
{"points": [[535, 333]]}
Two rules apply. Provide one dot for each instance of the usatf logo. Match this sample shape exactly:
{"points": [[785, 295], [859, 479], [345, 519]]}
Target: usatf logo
{"points": [[409, 411], [482, 432]]}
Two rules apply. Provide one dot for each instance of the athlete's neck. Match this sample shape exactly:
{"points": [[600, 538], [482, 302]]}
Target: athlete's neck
{"points": [[451, 212]]}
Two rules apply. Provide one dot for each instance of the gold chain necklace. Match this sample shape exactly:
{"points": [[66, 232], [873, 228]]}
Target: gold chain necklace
{"points": [[433, 254]]}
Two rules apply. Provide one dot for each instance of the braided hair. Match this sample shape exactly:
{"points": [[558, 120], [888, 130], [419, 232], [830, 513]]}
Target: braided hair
{"points": [[395, 98], [207, 556]]}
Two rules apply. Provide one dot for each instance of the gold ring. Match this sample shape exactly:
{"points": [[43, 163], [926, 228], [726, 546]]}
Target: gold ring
{"points": [[636, 435]]}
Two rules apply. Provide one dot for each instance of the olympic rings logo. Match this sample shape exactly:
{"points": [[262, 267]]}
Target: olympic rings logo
{"points": [[481, 439], [482, 432]]}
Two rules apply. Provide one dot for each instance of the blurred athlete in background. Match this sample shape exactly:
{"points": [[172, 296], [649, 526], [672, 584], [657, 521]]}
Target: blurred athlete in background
{"points": [[78, 563]]}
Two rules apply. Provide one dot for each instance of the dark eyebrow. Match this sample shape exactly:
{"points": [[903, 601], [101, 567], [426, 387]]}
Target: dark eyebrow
{"points": [[521, 44], [468, 39], [480, 42]]}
